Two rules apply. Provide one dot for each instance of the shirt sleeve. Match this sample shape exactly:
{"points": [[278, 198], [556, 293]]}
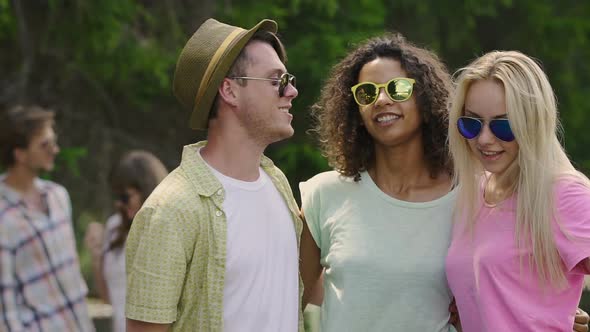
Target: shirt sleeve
{"points": [[573, 224], [310, 206], [156, 265], [63, 200], [68, 203], [9, 321]]}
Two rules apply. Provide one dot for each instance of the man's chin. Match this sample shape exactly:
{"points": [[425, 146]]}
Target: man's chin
{"points": [[43, 169], [278, 135], [287, 133]]}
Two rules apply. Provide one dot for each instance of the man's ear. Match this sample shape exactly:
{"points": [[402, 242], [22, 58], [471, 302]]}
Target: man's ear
{"points": [[227, 91]]}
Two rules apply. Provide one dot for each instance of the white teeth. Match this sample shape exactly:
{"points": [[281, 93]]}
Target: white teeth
{"points": [[491, 153], [388, 117], [284, 109]]}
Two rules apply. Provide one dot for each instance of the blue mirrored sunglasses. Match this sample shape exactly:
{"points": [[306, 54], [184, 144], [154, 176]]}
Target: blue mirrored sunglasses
{"points": [[471, 127]]}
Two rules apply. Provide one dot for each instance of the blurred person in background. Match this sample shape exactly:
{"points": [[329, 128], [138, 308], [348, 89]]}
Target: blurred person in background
{"points": [[41, 287], [132, 180]]}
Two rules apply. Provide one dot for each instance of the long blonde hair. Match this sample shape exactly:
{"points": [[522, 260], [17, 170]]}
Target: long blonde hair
{"points": [[532, 111]]}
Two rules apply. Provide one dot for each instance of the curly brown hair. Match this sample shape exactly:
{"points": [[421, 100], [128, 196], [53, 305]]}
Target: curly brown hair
{"points": [[346, 142]]}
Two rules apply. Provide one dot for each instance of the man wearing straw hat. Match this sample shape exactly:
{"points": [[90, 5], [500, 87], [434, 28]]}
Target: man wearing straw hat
{"points": [[215, 246]]}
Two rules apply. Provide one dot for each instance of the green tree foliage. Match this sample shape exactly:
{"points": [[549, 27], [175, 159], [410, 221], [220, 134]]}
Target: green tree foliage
{"points": [[6, 21]]}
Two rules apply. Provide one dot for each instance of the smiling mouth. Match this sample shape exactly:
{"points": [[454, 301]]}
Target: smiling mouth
{"points": [[386, 118], [490, 153], [284, 109]]}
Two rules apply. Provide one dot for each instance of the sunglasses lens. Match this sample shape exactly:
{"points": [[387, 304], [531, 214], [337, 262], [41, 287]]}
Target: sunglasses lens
{"points": [[365, 94], [400, 90], [501, 128], [123, 198], [286, 78], [468, 127]]}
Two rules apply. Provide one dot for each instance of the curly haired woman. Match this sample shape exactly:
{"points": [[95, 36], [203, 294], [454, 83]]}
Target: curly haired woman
{"points": [[379, 225]]}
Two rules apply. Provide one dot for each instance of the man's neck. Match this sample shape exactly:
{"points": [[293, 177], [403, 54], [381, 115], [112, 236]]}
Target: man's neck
{"points": [[21, 179], [233, 156]]}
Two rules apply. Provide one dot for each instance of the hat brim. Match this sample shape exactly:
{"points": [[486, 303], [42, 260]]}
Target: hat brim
{"points": [[218, 68]]}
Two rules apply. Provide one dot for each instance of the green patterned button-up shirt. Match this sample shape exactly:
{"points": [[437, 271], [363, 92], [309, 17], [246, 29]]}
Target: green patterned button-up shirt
{"points": [[176, 247]]}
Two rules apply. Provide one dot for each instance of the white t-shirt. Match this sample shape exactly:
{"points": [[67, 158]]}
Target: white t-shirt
{"points": [[262, 273], [383, 258], [114, 273]]}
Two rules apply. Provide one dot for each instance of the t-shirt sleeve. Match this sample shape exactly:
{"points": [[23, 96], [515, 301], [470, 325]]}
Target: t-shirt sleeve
{"points": [[573, 224], [310, 206], [156, 265]]}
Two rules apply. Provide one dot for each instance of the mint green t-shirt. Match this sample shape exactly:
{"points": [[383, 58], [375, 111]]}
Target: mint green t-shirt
{"points": [[383, 258]]}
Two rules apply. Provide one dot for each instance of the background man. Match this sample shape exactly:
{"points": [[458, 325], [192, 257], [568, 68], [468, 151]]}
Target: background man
{"points": [[41, 288]]}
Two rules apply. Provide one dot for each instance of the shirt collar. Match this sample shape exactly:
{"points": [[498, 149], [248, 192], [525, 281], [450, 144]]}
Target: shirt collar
{"points": [[13, 196], [199, 173]]}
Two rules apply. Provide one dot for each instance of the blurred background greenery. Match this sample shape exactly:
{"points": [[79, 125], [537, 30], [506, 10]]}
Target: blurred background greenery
{"points": [[106, 68]]}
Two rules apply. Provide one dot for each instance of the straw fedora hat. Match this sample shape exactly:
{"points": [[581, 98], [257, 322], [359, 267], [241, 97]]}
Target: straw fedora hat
{"points": [[204, 62]]}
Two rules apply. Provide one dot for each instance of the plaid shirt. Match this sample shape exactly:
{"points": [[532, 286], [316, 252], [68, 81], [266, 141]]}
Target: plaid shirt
{"points": [[41, 288]]}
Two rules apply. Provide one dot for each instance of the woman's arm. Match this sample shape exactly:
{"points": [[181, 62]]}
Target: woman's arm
{"points": [[93, 240], [317, 295], [309, 265]]}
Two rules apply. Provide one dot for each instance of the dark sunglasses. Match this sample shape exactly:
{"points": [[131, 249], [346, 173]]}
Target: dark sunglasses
{"points": [[471, 127], [398, 89], [123, 198], [282, 81]]}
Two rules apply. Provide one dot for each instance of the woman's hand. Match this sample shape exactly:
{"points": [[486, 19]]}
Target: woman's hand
{"points": [[581, 321]]}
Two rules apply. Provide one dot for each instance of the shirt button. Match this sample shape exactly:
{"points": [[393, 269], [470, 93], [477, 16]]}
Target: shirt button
{"points": [[219, 192], [218, 213]]}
